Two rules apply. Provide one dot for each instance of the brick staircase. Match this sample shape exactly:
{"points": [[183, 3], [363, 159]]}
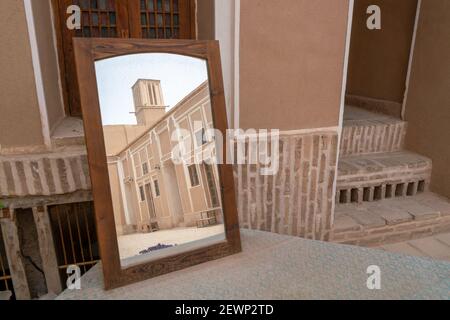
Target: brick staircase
{"points": [[382, 190]]}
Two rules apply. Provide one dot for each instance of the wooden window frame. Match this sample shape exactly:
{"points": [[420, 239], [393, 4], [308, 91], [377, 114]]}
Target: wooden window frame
{"points": [[134, 11], [191, 175], [133, 30], [145, 170], [213, 194], [157, 189], [203, 138], [141, 193]]}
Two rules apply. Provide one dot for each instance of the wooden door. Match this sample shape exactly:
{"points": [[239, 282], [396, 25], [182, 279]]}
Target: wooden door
{"points": [[150, 203], [211, 181], [152, 19]]}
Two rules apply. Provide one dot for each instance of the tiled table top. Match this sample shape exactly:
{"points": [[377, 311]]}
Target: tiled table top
{"points": [[273, 266]]}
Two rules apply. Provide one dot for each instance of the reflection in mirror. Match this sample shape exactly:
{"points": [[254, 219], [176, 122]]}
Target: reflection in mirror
{"points": [[157, 125]]}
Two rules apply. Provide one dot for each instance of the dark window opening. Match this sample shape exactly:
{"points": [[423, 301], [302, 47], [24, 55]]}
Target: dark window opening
{"points": [[156, 184], [200, 137], [421, 186], [145, 168], [212, 188], [399, 189], [388, 191], [73, 228], [366, 194], [354, 195], [343, 196], [377, 194], [411, 189], [193, 175], [142, 193]]}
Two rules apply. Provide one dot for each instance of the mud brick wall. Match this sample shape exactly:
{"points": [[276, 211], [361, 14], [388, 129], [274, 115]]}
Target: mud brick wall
{"points": [[377, 236], [298, 199], [369, 136], [378, 177], [44, 174]]}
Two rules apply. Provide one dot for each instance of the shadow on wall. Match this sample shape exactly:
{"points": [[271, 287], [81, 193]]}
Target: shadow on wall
{"points": [[378, 60]]}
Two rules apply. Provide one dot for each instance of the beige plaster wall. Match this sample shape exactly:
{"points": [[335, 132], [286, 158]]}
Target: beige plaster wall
{"points": [[20, 124], [205, 19], [291, 63], [118, 137], [428, 101], [378, 61], [165, 142], [198, 195], [183, 188], [49, 61], [162, 209], [119, 212]]}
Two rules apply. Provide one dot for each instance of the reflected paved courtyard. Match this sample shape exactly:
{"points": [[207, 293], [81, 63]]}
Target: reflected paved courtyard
{"points": [[130, 245]]}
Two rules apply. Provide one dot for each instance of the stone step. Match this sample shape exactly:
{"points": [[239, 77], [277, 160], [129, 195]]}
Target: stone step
{"points": [[366, 132], [391, 220], [371, 177]]}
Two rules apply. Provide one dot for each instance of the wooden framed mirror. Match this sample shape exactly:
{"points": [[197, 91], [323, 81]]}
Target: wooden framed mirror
{"points": [[155, 126]]}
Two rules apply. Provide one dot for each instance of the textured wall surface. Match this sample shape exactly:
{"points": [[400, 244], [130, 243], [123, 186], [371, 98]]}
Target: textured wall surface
{"points": [[369, 136], [291, 63], [298, 200], [44, 174], [20, 123], [391, 220], [428, 101], [382, 175], [378, 60]]}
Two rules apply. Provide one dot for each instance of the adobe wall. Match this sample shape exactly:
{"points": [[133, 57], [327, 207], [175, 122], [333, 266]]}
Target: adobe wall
{"points": [[428, 100], [291, 63], [48, 58], [205, 19], [18, 88], [298, 200], [291, 75], [117, 137], [378, 61]]}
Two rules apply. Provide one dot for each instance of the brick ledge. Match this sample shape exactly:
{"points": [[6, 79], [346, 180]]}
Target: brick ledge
{"points": [[403, 219]]}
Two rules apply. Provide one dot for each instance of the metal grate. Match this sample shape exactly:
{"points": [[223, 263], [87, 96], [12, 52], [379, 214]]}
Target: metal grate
{"points": [[5, 275], [73, 227]]}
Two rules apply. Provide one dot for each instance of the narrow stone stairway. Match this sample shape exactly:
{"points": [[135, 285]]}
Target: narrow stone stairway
{"points": [[382, 192]]}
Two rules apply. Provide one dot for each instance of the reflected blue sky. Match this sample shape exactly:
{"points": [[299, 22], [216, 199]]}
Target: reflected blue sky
{"points": [[179, 75]]}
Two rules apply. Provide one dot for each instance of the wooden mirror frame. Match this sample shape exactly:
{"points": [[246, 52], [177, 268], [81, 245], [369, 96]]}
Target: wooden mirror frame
{"points": [[87, 52]]}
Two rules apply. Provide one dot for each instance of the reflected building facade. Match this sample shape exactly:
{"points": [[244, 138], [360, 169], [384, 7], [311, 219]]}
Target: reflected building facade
{"points": [[150, 190]]}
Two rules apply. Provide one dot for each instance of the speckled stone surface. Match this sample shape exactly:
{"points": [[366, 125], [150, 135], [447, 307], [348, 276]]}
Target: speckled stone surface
{"points": [[274, 266]]}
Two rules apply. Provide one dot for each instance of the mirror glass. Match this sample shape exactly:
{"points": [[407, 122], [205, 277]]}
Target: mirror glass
{"points": [[161, 152]]}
